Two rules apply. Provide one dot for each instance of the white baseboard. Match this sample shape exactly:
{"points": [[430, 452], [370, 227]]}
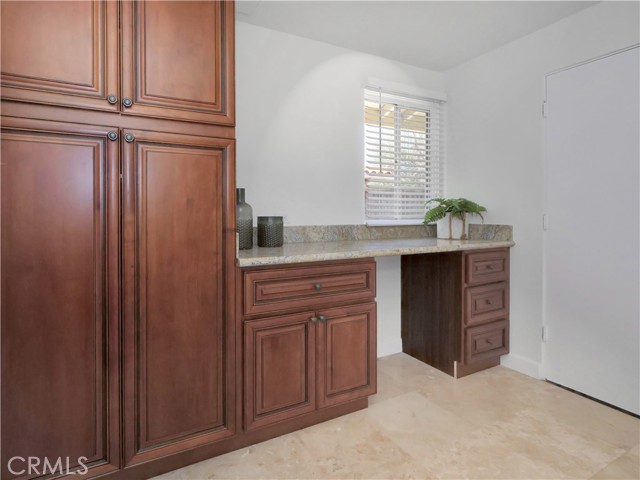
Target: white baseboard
{"points": [[389, 347], [512, 361], [522, 365]]}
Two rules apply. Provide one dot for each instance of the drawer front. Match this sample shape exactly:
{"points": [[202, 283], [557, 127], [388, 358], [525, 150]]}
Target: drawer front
{"points": [[486, 267], [273, 290], [486, 303], [485, 341]]}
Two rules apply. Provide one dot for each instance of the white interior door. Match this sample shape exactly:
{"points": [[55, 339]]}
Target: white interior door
{"points": [[592, 314]]}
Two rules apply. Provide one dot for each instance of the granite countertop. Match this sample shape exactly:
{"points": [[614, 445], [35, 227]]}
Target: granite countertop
{"points": [[340, 250]]}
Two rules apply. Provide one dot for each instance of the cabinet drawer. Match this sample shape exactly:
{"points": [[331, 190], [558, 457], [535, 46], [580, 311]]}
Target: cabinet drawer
{"points": [[486, 303], [485, 341], [294, 287], [486, 267]]}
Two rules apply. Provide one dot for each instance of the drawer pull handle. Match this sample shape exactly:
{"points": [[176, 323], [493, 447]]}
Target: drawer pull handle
{"points": [[322, 318], [489, 301], [314, 320], [490, 266], [489, 342], [318, 286]]}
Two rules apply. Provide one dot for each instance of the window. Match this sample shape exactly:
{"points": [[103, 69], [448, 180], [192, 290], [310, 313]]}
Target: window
{"points": [[403, 156]]}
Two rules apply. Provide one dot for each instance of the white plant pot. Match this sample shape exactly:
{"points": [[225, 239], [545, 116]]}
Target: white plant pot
{"points": [[456, 228]]}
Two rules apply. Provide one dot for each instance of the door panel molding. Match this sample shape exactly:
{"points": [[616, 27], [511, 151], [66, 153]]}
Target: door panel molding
{"points": [[61, 80], [279, 368], [75, 184], [166, 194], [162, 90], [347, 354]]}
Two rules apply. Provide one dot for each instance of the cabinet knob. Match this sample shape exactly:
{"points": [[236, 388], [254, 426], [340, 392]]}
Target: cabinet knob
{"points": [[129, 138], [318, 286], [490, 267], [113, 136], [112, 99], [489, 342], [322, 318], [489, 301], [314, 319], [127, 102]]}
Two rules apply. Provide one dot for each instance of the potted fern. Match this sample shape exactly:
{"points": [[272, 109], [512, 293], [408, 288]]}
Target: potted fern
{"points": [[451, 216]]}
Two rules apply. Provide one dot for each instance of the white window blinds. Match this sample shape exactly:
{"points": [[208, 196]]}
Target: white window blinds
{"points": [[403, 156]]}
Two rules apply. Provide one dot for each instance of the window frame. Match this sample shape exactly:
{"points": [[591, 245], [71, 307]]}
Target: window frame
{"points": [[433, 160]]}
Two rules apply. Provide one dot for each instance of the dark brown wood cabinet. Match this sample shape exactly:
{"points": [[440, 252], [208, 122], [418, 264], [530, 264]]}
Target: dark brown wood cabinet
{"points": [[61, 53], [84, 275], [178, 251], [60, 295], [282, 288], [346, 354], [279, 368], [298, 360], [169, 59], [455, 309], [177, 60], [118, 236]]}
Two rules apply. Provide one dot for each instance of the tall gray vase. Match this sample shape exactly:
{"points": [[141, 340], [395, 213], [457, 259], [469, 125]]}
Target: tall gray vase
{"points": [[244, 219]]}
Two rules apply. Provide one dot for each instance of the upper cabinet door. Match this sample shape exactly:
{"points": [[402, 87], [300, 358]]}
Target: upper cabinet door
{"points": [[178, 60], [61, 53]]}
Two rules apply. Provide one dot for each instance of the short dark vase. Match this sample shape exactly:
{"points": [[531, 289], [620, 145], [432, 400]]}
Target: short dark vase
{"points": [[270, 232]]}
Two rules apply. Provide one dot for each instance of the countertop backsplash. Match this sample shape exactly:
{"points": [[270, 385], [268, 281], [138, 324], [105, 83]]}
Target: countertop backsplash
{"points": [[338, 233]]}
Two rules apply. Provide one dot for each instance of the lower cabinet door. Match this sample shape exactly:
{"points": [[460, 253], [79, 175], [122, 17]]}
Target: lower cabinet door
{"points": [[59, 277], [279, 368], [346, 354], [178, 260]]}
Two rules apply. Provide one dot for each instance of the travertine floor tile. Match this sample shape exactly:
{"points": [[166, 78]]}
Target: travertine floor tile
{"points": [[355, 447], [496, 424], [387, 388], [625, 467], [417, 425], [527, 446], [282, 457]]}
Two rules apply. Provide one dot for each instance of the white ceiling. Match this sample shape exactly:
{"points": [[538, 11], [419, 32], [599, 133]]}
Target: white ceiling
{"points": [[437, 35]]}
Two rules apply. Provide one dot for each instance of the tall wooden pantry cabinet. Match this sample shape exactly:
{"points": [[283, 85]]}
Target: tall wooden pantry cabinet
{"points": [[117, 184]]}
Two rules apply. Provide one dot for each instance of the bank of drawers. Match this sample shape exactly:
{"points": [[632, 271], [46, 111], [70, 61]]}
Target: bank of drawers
{"points": [[485, 305]]}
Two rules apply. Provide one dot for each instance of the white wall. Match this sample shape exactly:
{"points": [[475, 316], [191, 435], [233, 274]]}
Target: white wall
{"points": [[300, 138], [496, 144]]}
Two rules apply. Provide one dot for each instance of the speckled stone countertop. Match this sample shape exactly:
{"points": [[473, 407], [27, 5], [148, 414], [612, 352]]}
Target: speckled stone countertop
{"points": [[340, 250]]}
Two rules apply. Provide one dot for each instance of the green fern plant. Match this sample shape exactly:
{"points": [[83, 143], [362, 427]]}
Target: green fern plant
{"points": [[456, 207]]}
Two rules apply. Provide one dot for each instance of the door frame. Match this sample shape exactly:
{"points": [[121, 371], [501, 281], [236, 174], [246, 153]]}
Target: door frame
{"points": [[544, 364]]}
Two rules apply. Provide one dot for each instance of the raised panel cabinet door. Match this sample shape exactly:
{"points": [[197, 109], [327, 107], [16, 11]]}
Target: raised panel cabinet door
{"points": [[178, 60], [346, 354], [59, 294], [279, 368], [179, 269], [61, 53]]}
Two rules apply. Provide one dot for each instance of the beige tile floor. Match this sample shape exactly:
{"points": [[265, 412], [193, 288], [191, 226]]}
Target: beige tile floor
{"points": [[496, 424]]}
